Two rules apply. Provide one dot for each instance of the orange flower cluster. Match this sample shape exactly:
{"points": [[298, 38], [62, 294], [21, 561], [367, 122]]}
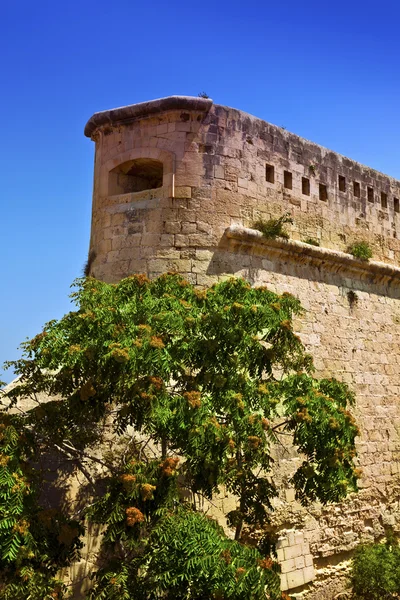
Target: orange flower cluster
{"points": [[4, 459], [349, 417], [201, 294], [303, 416], [169, 465], [146, 491], [19, 483], [133, 516], [156, 342], [226, 556], [286, 324], [193, 398], [119, 354], [254, 441], [127, 481], [276, 306], [157, 382], [266, 563], [141, 279], [265, 424], [144, 327], [74, 348], [21, 527]]}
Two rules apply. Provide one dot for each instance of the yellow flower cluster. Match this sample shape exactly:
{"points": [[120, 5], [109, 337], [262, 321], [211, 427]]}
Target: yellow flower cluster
{"points": [[146, 491]]}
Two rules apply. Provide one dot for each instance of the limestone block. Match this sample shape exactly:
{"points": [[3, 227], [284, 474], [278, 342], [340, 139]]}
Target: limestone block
{"points": [[295, 579], [172, 226], [293, 551], [183, 192], [308, 574], [189, 228], [288, 566]]}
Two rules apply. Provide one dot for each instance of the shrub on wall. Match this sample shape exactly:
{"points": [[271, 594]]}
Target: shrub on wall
{"points": [[274, 228], [376, 571], [360, 250], [311, 241]]}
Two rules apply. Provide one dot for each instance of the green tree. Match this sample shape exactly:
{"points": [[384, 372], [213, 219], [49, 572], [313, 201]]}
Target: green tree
{"points": [[193, 387]]}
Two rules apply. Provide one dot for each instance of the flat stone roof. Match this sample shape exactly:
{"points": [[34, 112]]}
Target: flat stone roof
{"points": [[144, 109]]}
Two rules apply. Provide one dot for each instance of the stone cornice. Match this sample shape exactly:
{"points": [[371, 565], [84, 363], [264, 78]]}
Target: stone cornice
{"points": [[144, 109], [250, 240]]}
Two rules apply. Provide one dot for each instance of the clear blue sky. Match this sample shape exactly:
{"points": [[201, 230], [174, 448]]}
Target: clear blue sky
{"points": [[328, 71]]}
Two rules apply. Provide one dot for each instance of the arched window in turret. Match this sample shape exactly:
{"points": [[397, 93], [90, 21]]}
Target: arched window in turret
{"points": [[135, 176]]}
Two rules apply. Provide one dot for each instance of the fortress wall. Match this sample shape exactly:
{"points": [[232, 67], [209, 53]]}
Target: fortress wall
{"points": [[357, 343], [216, 161], [215, 178]]}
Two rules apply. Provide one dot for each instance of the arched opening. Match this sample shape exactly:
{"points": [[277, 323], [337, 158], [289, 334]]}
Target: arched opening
{"points": [[135, 176]]}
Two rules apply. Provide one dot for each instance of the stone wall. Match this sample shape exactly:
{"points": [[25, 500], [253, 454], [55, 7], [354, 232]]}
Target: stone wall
{"points": [[221, 171]]}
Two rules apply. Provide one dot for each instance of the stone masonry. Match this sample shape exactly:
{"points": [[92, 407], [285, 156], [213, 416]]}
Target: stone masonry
{"points": [[178, 184]]}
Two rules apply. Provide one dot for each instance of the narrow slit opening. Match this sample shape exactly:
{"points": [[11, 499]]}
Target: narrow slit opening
{"points": [[342, 183], [305, 186], [287, 180], [270, 173], [323, 192]]}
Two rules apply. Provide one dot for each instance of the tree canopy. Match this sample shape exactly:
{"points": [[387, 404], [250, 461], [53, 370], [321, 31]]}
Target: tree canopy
{"points": [[193, 388]]}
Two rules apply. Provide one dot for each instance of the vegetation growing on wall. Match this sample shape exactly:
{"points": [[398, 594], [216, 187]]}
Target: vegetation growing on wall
{"points": [[274, 228], [311, 241], [361, 250], [193, 387]]}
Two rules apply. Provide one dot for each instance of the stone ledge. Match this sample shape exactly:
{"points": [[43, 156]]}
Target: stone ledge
{"points": [[247, 240], [144, 109]]}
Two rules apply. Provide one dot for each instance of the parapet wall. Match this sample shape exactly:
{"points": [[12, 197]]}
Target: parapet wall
{"points": [[210, 172]]}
